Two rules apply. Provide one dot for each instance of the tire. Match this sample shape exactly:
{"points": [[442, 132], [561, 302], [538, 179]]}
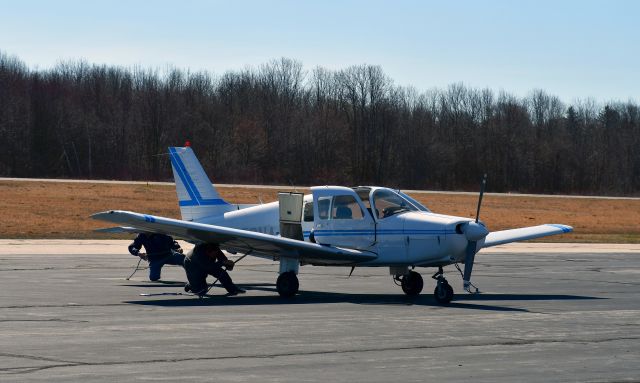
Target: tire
{"points": [[287, 284], [443, 293], [412, 283], [449, 292]]}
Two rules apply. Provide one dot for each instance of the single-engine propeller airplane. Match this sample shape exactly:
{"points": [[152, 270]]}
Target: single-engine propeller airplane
{"points": [[363, 226]]}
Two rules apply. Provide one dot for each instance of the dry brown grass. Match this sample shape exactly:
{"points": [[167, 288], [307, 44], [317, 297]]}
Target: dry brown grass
{"points": [[62, 210]]}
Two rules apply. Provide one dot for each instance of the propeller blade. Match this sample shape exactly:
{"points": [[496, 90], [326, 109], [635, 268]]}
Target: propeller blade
{"points": [[470, 256], [474, 231], [482, 187]]}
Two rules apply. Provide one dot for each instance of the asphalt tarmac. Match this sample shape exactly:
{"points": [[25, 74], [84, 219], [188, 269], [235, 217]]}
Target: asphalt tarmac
{"points": [[546, 313]]}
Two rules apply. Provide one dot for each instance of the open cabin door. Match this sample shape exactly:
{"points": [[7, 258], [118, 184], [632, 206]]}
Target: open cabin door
{"points": [[340, 219], [290, 205]]}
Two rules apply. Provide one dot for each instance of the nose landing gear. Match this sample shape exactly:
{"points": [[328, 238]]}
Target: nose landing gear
{"points": [[412, 285], [443, 293]]}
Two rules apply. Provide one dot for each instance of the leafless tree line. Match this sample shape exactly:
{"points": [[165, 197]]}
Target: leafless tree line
{"points": [[282, 124]]}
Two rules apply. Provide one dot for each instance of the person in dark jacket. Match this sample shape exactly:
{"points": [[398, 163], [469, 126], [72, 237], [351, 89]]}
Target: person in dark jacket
{"points": [[161, 250], [207, 259]]}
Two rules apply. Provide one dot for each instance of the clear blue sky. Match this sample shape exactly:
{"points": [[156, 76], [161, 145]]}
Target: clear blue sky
{"points": [[572, 49]]}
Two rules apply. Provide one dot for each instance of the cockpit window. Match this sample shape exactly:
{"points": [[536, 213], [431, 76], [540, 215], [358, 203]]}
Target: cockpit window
{"points": [[388, 203]]}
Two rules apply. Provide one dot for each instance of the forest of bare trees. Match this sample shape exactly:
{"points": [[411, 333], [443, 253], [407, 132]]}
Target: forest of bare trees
{"points": [[282, 124]]}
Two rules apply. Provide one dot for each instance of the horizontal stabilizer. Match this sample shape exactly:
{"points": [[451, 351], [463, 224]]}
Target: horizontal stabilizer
{"points": [[522, 234]]}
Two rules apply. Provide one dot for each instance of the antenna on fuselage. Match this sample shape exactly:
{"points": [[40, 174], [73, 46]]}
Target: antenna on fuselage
{"points": [[293, 186]]}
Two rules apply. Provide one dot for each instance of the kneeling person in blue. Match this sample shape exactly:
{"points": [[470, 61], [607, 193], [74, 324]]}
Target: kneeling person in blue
{"points": [[161, 250], [207, 259]]}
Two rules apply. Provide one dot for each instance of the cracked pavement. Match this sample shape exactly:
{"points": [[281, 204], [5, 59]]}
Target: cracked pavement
{"points": [[544, 315]]}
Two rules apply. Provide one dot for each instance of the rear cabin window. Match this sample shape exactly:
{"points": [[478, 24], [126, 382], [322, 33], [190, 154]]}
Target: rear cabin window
{"points": [[345, 207], [308, 212], [324, 204]]}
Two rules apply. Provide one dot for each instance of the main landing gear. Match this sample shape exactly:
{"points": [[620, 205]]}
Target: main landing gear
{"points": [[287, 284], [411, 283], [443, 291]]}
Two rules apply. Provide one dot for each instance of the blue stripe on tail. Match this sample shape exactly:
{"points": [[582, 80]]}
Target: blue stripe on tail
{"points": [[192, 190]]}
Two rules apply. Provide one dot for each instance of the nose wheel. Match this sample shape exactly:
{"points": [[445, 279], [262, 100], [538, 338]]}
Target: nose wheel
{"points": [[443, 293]]}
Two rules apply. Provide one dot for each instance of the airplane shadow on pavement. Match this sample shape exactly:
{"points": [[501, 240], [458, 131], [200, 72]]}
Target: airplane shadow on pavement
{"points": [[319, 297]]}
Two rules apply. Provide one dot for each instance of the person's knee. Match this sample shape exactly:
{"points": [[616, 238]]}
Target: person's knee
{"points": [[177, 259]]}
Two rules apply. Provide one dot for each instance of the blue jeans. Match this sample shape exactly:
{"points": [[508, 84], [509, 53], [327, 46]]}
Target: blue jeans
{"points": [[155, 266]]}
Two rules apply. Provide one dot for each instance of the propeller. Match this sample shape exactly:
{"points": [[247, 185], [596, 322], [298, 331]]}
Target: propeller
{"points": [[474, 231]]}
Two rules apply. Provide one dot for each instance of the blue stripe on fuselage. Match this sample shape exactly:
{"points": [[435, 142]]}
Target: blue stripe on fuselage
{"points": [[345, 233]]}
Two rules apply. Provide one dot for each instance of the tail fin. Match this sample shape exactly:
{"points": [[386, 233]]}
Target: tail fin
{"points": [[197, 197]]}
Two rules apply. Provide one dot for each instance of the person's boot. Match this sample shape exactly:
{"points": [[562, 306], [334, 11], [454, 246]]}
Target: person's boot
{"points": [[235, 291]]}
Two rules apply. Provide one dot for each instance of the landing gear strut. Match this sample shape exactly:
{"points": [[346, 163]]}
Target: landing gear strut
{"points": [[287, 284], [443, 291]]}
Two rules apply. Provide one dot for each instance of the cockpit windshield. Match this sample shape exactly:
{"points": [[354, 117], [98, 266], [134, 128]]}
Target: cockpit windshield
{"points": [[414, 202], [388, 203]]}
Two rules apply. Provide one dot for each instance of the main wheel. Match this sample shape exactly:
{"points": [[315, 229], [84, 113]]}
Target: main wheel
{"points": [[287, 284], [412, 283], [443, 293]]}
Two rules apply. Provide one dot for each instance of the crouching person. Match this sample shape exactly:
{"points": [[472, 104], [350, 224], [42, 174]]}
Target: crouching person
{"points": [[161, 250], [207, 259]]}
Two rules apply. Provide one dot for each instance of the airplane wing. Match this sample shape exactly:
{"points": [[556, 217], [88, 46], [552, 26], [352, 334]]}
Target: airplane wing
{"points": [[237, 240], [505, 236], [120, 230]]}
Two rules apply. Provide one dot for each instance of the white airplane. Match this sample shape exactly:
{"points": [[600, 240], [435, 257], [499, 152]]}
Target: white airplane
{"points": [[364, 226]]}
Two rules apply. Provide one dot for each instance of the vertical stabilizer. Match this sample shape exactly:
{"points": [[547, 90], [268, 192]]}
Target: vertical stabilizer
{"points": [[197, 197]]}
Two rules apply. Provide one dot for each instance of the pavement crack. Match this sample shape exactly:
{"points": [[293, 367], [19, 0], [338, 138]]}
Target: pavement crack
{"points": [[34, 357], [61, 306], [507, 342], [26, 370], [44, 320], [564, 279]]}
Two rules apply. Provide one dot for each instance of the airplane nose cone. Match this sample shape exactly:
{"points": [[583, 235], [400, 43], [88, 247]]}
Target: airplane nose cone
{"points": [[474, 231]]}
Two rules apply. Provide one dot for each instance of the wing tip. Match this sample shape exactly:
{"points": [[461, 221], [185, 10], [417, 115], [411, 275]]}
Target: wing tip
{"points": [[101, 214], [564, 228]]}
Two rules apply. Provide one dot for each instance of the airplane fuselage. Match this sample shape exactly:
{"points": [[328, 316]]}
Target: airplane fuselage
{"points": [[409, 238]]}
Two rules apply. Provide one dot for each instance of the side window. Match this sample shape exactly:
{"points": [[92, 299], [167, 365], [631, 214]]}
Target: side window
{"points": [[323, 207], [345, 207], [308, 212]]}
